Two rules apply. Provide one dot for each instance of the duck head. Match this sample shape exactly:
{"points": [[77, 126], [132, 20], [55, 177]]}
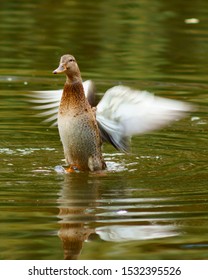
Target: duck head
{"points": [[68, 65]]}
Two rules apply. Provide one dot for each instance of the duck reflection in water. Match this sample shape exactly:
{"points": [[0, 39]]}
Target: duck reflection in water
{"points": [[85, 216], [74, 213], [121, 113]]}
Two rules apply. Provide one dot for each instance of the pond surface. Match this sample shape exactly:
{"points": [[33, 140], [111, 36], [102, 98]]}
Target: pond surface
{"points": [[151, 204]]}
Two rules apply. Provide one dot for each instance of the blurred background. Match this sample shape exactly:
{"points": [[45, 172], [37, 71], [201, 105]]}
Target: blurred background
{"points": [[151, 204]]}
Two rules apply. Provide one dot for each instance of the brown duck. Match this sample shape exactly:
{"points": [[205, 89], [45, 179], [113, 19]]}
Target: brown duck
{"points": [[121, 113], [77, 124]]}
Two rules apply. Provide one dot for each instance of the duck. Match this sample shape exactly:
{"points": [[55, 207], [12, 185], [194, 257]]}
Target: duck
{"points": [[121, 113]]}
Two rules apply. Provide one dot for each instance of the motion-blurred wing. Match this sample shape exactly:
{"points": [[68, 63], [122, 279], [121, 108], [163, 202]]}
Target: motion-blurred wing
{"points": [[124, 112]]}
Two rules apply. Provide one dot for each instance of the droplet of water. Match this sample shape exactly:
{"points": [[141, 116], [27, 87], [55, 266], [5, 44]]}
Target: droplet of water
{"points": [[59, 169]]}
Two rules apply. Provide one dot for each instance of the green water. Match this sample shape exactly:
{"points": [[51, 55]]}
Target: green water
{"points": [[152, 204]]}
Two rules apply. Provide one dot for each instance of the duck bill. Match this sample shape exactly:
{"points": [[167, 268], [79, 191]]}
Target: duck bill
{"points": [[60, 69]]}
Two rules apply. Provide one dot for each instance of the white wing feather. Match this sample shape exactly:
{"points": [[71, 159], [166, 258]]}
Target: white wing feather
{"points": [[124, 112]]}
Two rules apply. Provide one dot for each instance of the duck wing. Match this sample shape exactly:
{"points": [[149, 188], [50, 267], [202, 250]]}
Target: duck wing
{"points": [[124, 112], [49, 100]]}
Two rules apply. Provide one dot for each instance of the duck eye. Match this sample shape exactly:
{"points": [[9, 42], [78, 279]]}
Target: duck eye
{"points": [[70, 60]]}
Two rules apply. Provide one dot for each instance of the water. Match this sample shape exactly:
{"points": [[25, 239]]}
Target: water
{"points": [[151, 204]]}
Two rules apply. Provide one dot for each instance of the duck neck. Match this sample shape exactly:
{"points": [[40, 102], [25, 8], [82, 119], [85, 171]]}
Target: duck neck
{"points": [[73, 93]]}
